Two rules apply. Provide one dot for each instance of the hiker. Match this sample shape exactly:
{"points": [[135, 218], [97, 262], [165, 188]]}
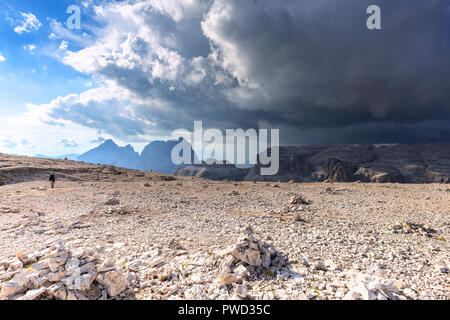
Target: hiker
{"points": [[52, 180]]}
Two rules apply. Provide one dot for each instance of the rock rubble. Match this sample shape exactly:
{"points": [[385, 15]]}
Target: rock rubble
{"points": [[60, 273]]}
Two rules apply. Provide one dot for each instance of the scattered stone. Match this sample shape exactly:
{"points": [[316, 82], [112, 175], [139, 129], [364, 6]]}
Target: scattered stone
{"points": [[62, 274], [297, 199], [9, 210], [241, 271], [230, 278], [167, 178], [33, 294], [320, 266], [119, 210], [366, 287], [411, 227], [298, 218], [112, 202], [240, 291]]}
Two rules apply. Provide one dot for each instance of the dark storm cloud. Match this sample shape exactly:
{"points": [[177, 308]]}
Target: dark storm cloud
{"points": [[311, 67], [319, 65]]}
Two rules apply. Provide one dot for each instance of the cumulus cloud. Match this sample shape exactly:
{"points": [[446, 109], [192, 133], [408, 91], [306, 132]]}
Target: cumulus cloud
{"points": [[305, 66], [28, 23], [59, 31], [11, 142], [2, 58], [102, 108], [68, 143]]}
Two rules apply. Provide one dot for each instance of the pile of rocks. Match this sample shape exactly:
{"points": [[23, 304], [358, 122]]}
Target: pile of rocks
{"points": [[298, 200], [119, 210], [411, 227], [366, 287], [112, 202], [295, 204], [62, 274], [249, 256]]}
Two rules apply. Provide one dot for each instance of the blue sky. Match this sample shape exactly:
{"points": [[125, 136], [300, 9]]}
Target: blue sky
{"points": [[32, 71], [27, 73], [139, 69]]}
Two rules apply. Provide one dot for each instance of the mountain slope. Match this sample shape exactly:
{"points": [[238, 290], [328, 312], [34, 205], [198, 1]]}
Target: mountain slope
{"points": [[111, 154], [156, 156], [408, 163]]}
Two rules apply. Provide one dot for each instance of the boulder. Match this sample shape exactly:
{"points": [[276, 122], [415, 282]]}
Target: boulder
{"points": [[381, 178], [114, 282], [10, 289], [33, 294], [367, 287]]}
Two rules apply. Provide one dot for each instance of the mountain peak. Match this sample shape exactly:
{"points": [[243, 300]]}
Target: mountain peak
{"points": [[155, 156], [109, 142]]}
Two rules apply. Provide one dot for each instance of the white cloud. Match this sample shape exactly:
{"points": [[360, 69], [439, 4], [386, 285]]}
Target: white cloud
{"points": [[41, 134], [58, 31], [63, 46], [163, 63], [29, 23], [107, 109], [156, 55], [9, 143], [134, 37], [2, 58], [29, 47], [68, 143], [98, 140]]}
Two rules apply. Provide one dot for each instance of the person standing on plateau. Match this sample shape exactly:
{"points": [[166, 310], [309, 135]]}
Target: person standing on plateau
{"points": [[52, 180]]}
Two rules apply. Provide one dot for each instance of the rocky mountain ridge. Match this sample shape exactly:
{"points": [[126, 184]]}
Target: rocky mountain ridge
{"points": [[156, 156], [402, 163]]}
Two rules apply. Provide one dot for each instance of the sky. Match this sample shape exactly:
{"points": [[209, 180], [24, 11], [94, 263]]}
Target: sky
{"points": [[137, 70]]}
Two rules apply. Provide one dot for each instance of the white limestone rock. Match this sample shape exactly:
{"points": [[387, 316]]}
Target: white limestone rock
{"points": [[10, 289], [114, 282]]}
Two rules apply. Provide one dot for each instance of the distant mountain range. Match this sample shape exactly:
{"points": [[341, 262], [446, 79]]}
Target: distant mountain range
{"points": [[71, 156], [110, 153], [156, 156], [413, 163], [402, 163]]}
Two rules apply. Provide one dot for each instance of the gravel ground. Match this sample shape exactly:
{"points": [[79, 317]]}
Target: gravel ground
{"points": [[329, 233]]}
